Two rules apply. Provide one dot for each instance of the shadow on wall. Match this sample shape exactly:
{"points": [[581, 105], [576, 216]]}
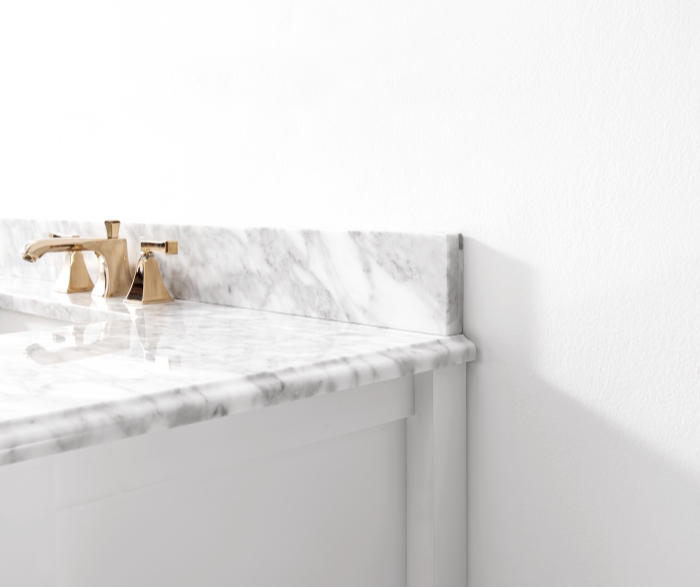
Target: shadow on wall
{"points": [[557, 496]]}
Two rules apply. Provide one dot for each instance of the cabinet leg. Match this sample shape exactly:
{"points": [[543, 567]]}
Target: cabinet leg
{"points": [[437, 480]]}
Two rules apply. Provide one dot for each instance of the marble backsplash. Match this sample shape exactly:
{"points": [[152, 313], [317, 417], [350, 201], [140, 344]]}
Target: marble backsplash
{"points": [[397, 280]]}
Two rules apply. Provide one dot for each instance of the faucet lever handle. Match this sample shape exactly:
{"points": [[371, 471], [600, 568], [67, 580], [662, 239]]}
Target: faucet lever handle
{"points": [[166, 247]]}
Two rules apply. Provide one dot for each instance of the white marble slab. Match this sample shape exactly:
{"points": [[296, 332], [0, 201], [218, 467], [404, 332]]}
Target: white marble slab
{"points": [[404, 281], [134, 371]]}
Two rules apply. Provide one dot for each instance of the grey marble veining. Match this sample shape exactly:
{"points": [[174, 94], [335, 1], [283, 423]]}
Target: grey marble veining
{"points": [[404, 281], [133, 370]]}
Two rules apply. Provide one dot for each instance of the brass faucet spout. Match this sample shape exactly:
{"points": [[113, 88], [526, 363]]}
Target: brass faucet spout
{"points": [[114, 276], [35, 250]]}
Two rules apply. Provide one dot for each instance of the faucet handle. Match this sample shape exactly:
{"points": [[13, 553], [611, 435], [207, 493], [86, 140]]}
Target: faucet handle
{"points": [[112, 227], [74, 275], [166, 247], [148, 286]]}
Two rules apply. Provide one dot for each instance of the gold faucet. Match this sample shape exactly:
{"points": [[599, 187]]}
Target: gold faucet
{"points": [[148, 286], [113, 278]]}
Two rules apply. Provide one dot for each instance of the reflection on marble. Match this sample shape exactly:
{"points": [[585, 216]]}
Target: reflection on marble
{"points": [[406, 281], [114, 336], [158, 367]]}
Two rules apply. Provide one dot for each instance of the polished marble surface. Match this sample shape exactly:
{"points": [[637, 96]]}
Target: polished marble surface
{"points": [[399, 280], [123, 371]]}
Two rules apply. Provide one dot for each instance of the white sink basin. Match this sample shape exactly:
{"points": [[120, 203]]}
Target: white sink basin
{"points": [[18, 322]]}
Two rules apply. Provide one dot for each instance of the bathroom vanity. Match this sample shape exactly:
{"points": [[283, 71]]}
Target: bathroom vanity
{"points": [[296, 417]]}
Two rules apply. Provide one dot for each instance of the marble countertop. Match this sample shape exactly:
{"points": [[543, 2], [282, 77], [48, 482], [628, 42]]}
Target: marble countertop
{"points": [[121, 371]]}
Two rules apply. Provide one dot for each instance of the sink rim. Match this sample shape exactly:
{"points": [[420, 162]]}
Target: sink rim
{"points": [[14, 321]]}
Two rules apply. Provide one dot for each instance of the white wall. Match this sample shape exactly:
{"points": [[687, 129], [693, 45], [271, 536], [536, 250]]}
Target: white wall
{"points": [[562, 138]]}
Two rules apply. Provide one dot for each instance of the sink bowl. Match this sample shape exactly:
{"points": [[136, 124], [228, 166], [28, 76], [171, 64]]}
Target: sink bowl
{"points": [[11, 321]]}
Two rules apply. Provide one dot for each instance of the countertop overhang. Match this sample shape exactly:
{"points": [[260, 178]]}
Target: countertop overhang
{"points": [[122, 371]]}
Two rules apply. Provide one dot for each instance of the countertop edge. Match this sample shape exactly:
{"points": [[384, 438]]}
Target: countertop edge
{"points": [[200, 403]]}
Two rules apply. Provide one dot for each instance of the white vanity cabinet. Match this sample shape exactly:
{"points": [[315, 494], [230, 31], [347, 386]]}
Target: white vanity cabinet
{"points": [[365, 486]]}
